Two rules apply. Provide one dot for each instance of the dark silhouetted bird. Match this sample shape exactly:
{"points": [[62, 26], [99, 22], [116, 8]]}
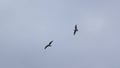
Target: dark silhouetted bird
{"points": [[75, 29], [49, 45]]}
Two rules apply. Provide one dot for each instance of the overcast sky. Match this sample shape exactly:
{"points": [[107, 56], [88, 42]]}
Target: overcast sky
{"points": [[26, 26]]}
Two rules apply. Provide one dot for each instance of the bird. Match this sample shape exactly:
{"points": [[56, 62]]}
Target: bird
{"points": [[75, 30], [49, 45]]}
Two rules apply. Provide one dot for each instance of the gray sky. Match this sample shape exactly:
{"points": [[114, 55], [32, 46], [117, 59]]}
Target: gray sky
{"points": [[26, 26]]}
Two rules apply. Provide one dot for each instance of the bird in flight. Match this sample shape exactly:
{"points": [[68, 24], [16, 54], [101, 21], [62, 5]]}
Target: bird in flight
{"points": [[75, 30], [49, 45]]}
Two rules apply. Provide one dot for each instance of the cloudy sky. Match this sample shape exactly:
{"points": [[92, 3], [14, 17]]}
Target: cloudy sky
{"points": [[26, 26]]}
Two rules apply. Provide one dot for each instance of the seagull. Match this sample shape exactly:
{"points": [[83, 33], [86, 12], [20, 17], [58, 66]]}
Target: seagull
{"points": [[75, 29], [49, 45]]}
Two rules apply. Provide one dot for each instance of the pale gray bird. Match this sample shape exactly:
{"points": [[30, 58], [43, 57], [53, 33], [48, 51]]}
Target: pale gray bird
{"points": [[75, 30], [49, 45]]}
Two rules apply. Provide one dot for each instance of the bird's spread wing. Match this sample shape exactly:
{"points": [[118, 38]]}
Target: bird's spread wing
{"points": [[75, 27], [46, 46], [74, 32], [50, 42]]}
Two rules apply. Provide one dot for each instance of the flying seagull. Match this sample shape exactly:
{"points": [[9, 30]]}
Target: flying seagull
{"points": [[49, 45], [75, 29]]}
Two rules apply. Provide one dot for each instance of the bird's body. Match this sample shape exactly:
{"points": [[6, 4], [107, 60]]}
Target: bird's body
{"points": [[49, 45], [75, 30]]}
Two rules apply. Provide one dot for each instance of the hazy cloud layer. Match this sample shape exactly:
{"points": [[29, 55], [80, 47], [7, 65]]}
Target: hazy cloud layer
{"points": [[26, 26]]}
